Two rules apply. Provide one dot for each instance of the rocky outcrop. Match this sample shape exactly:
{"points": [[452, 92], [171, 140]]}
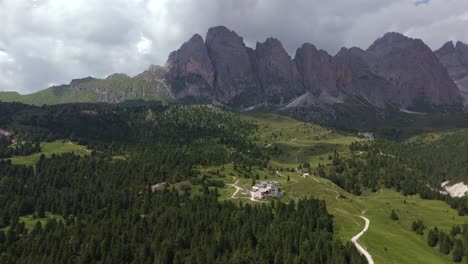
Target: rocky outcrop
{"points": [[154, 73], [414, 71], [455, 60], [320, 72], [189, 70], [234, 76], [373, 88], [279, 78]]}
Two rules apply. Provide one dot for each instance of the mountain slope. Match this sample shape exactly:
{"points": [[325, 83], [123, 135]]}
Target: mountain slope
{"points": [[455, 60], [114, 89], [413, 70]]}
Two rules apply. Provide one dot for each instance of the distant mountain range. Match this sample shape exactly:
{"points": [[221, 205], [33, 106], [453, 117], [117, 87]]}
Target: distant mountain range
{"points": [[394, 72], [115, 88]]}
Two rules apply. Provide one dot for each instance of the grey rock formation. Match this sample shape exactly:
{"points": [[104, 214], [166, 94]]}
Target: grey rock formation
{"points": [[320, 72], [279, 78], [455, 60], [189, 70], [414, 71], [235, 81], [374, 89], [394, 71]]}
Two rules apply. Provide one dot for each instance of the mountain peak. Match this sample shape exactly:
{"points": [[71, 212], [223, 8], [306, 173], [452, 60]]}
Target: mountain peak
{"points": [[232, 63], [414, 70], [320, 72], [271, 41], [272, 45], [117, 76], [277, 73], [190, 71], [394, 35], [196, 38], [308, 45], [460, 44], [395, 40], [221, 32], [447, 48], [455, 60]]}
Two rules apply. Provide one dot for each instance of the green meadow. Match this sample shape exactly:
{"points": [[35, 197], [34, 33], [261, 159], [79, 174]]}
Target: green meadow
{"points": [[49, 148]]}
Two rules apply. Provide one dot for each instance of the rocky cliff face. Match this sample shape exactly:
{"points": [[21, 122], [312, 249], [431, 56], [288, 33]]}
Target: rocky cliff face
{"points": [[279, 78], [371, 87], [455, 60], [320, 72], [190, 71], [234, 75], [414, 71], [394, 71]]}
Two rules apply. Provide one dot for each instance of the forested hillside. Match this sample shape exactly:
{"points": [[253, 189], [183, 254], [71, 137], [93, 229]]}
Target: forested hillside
{"points": [[103, 207], [86, 183]]}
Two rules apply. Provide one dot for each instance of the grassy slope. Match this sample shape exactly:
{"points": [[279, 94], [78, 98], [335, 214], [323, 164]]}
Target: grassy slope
{"points": [[386, 240], [48, 97], [299, 142], [394, 241], [118, 86], [49, 148]]}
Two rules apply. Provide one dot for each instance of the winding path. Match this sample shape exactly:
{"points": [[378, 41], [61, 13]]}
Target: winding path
{"points": [[237, 189], [233, 196], [359, 247]]}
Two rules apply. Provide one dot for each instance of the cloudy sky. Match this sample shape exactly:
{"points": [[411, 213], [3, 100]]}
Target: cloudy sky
{"points": [[44, 42]]}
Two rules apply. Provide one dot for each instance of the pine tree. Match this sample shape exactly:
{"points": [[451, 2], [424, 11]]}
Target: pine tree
{"points": [[457, 254], [393, 216], [455, 230], [2, 237], [445, 243], [433, 237], [37, 228]]}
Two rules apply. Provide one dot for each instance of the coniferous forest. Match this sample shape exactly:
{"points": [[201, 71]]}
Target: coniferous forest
{"points": [[105, 211]]}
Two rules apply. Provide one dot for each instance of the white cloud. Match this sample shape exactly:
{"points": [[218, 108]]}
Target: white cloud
{"points": [[53, 41], [5, 57], [144, 45]]}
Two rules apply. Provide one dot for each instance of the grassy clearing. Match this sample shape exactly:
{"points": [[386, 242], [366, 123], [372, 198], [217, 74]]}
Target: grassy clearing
{"points": [[30, 220], [296, 142], [433, 136], [49, 148], [393, 241]]}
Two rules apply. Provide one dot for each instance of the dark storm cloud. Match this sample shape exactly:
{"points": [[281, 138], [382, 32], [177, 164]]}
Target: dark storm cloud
{"points": [[52, 41]]}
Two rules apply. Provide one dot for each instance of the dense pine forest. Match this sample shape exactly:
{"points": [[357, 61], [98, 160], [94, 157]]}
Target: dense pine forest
{"points": [[100, 208]]}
